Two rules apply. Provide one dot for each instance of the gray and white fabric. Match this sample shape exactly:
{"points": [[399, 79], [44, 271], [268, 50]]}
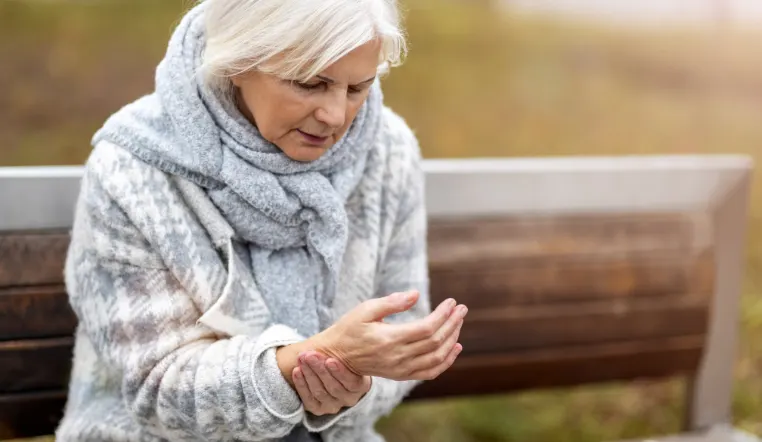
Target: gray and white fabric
{"points": [[198, 248]]}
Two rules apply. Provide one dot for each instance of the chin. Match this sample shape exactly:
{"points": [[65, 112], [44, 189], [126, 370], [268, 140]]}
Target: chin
{"points": [[304, 154]]}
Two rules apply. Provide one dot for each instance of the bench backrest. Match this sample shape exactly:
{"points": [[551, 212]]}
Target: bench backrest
{"points": [[575, 271]]}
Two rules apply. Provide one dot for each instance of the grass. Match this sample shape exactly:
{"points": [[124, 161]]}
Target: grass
{"points": [[476, 84]]}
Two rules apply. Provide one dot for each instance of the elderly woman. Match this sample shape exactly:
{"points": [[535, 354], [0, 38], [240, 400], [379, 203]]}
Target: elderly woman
{"points": [[248, 257]]}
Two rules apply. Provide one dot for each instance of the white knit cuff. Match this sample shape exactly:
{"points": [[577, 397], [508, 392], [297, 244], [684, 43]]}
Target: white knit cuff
{"points": [[273, 390]]}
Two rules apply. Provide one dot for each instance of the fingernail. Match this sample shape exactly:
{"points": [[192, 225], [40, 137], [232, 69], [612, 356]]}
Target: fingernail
{"points": [[332, 366], [410, 296], [462, 310]]}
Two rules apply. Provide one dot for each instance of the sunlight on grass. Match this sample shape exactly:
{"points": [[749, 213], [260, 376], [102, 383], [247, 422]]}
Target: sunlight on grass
{"points": [[475, 84]]}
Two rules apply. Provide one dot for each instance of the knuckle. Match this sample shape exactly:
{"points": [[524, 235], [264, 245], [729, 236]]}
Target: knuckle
{"points": [[438, 358]]}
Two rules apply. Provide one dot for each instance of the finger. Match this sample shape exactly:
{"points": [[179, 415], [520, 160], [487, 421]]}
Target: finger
{"points": [[437, 357], [434, 372], [452, 325], [332, 385], [309, 401], [315, 386], [426, 327], [377, 309], [350, 381]]}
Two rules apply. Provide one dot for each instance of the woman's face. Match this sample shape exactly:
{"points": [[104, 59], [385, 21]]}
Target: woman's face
{"points": [[305, 119]]}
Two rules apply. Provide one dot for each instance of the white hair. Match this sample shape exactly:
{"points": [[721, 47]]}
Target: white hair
{"points": [[295, 39]]}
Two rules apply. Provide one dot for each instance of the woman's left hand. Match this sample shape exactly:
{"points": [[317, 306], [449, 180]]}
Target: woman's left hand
{"points": [[325, 385]]}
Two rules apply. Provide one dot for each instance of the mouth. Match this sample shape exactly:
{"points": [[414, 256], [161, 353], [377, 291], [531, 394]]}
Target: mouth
{"points": [[312, 139]]}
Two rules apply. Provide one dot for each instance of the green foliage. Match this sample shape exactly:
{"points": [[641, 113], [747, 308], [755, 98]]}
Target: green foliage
{"points": [[476, 83]]}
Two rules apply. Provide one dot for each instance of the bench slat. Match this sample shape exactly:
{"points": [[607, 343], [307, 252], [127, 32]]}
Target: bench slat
{"points": [[596, 322], [32, 258], [571, 234], [510, 282], [35, 364], [35, 312], [546, 259], [30, 414], [565, 366]]}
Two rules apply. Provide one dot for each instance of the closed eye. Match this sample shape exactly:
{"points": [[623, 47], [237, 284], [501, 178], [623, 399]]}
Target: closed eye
{"points": [[310, 86]]}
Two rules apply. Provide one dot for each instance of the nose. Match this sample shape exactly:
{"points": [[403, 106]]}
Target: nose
{"points": [[333, 110]]}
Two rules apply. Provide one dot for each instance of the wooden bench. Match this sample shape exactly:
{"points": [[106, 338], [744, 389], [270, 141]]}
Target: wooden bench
{"points": [[575, 270]]}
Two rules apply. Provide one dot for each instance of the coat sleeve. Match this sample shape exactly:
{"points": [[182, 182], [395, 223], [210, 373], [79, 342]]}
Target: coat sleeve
{"points": [[405, 267], [177, 378]]}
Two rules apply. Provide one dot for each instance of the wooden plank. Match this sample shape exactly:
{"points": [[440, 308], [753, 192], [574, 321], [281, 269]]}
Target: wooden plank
{"points": [[35, 312], [487, 237], [565, 366], [490, 284], [35, 364], [514, 261], [32, 258], [526, 327], [30, 414]]}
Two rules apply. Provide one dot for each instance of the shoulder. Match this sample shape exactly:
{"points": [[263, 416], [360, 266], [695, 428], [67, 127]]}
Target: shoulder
{"points": [[399, 137], [402, 151], [121, 174], [142, 191], [397, 169], [123, 190]]}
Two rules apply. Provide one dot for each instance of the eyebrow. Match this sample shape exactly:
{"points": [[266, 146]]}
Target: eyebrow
{"points": [[332, 81]]}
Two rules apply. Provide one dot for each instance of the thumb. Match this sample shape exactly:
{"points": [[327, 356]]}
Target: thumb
{"points": [[378, 308]]}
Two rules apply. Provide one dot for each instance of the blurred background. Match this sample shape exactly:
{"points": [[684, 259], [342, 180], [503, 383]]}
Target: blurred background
{"points": [[483, 78]]}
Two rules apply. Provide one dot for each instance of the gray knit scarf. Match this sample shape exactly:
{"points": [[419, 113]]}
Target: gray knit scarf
{"points": [[289, 216]]}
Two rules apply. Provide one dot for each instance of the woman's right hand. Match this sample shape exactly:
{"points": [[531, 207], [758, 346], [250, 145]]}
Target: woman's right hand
{"points": [[418, 350]]}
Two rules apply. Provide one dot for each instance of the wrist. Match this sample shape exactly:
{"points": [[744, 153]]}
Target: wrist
{"points": [[287, 356]]}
